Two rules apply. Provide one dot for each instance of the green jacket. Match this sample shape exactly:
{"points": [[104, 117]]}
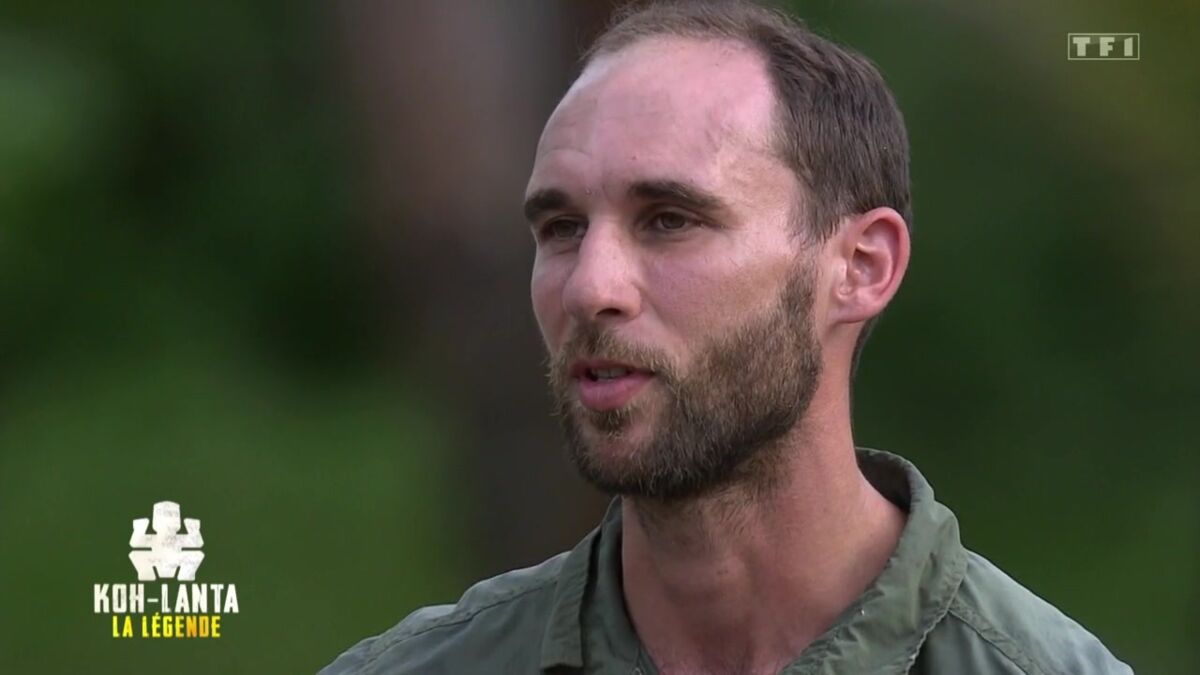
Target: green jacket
{"points": [[935, 608]]}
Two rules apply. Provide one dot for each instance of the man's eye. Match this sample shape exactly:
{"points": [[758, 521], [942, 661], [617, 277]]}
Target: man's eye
{"points": [[562, 229], [670, 221]]}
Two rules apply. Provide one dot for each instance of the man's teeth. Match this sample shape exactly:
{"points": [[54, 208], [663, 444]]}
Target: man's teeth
{"points": [[609, 373]]}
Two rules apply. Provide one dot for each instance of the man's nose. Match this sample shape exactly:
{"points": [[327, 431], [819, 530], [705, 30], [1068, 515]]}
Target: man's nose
{"points": [[602, 285]]}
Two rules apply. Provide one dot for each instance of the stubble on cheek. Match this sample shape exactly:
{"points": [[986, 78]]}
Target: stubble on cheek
{"points": [[716, 424]]}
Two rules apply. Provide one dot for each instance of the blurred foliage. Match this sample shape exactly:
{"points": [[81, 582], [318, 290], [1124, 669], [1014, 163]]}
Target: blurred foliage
{"points": [[190, 316], [193, 311]]}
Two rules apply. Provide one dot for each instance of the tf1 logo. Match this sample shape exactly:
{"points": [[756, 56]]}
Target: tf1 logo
{"points": [[1104, 46]]}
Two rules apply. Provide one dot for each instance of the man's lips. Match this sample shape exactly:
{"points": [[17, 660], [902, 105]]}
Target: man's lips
{"points": [[606, 385], [588, 367]]}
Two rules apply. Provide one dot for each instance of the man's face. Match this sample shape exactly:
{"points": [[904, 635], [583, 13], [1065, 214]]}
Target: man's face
{"points": [[675, 301]]}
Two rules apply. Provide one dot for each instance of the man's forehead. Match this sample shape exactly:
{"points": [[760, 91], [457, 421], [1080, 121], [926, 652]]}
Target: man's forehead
{"points": [[662, 103]]}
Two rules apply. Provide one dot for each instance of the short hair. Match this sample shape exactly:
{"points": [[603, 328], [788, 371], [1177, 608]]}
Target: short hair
{"points": [[837, 124]]}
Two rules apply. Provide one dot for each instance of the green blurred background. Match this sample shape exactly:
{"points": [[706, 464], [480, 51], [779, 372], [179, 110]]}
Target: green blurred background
{"points": [[265, 259]]}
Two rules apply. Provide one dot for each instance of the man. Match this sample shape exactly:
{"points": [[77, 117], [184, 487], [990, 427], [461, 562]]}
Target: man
{"points": [[720, 205]]}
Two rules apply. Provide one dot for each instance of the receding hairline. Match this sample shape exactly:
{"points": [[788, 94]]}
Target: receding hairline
{"points": [[611, 40], [769, 142]]}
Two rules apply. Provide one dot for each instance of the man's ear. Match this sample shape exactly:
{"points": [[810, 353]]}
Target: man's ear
{"points": [[872, 251]]}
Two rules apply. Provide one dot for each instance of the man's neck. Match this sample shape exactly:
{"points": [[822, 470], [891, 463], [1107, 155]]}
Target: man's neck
{"points": [[743, 580]]}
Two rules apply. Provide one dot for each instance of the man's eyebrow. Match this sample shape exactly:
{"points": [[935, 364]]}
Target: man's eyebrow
{"points": [[554, 199], [544, 200], [676, 191]]}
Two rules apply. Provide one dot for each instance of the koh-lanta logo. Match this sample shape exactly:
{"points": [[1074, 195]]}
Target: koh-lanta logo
{"points": [[178, 610]]}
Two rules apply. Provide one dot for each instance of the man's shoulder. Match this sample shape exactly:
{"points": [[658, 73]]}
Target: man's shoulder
{"points": [[497, 620], [996, 625]]}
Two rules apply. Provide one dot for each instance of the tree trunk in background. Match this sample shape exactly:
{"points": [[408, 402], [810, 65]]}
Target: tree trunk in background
{"points": [[452, 101]]}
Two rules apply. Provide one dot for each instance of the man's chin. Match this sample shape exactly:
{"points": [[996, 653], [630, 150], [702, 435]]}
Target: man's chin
{"points": [[608, 463]]}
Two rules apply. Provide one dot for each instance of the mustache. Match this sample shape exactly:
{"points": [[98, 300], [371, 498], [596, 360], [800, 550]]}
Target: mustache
{"points": [[591, 341]]}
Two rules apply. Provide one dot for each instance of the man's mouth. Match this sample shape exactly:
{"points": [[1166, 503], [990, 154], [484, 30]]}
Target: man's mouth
{"points": [[606, 385], [600, 374]]}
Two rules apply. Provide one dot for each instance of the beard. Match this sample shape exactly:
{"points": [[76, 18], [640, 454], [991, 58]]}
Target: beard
{"points": [[722, 419]]}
